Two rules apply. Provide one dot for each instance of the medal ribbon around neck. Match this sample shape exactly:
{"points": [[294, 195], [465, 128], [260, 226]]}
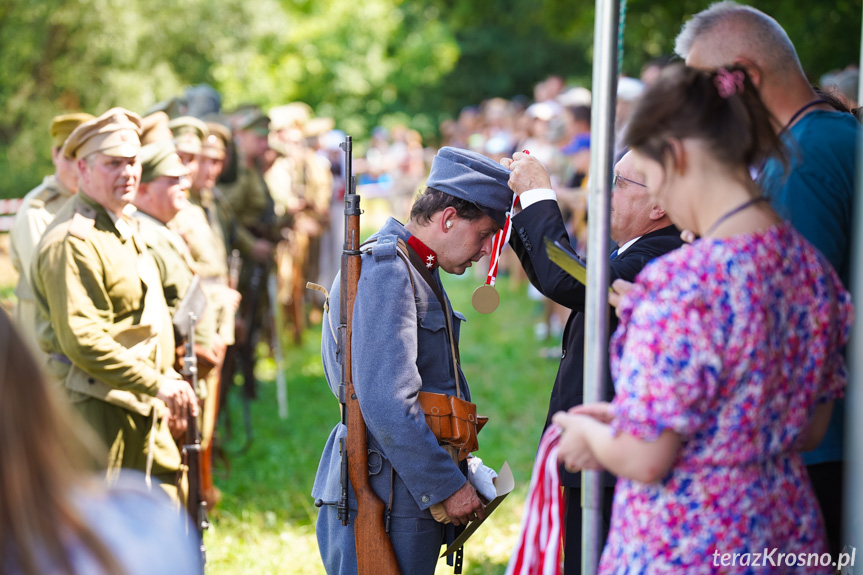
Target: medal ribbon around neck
{"points": [[485, 298]]}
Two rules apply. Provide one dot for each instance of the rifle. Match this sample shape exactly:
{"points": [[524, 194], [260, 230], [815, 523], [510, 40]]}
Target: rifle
{"points": [[375, 553], [191, 307]]}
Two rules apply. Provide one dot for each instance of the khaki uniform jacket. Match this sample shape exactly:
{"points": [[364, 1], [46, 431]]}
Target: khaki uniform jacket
{"points": [[202, 229], [175, 266], [37, 210], [101, 310], [253, 206]]}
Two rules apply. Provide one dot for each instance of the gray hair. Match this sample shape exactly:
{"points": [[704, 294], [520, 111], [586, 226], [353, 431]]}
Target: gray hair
{"points": [[761, 37]]}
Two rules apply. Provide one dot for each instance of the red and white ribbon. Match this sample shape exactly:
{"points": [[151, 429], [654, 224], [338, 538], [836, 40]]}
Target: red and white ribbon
{"points": [[538, 549], [501, 238]]}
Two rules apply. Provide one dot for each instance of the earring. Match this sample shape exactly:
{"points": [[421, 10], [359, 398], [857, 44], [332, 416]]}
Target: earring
{"points": [[448, 224]]}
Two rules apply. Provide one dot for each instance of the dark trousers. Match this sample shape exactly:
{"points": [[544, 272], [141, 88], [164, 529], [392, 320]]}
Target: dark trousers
{"points": [[572, 536], [827, 482]]}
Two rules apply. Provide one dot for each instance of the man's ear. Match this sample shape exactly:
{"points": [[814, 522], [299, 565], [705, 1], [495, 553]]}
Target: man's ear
{"points": [[656, 213], [447, 217], [752, 70], [83, 170]]}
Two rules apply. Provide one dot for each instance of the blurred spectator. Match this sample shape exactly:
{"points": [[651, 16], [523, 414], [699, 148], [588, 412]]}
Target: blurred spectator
{"points": [[651, 70], [57, 517], [628, 92], [844, 85]]}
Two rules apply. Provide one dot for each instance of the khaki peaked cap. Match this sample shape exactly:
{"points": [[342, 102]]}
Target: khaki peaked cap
{"points": [[63, 125], [115, 133], [154, 128], [216, 143], [161, 159], [189, 132], [293, 115]]}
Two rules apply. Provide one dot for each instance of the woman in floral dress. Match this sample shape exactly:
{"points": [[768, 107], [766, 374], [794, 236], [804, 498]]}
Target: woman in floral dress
{"points": [[727, 359]]}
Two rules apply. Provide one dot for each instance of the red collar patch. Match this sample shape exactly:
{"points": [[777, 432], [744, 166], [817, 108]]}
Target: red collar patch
{"points": [[425, 253]]}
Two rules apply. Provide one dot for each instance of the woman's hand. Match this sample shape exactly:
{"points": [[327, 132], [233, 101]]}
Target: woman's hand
{"points": [[600, 411], [619, 288], [574, 450]]}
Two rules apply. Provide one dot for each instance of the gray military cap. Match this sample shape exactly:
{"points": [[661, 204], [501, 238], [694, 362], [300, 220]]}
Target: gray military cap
{"points": [[472, 177]]}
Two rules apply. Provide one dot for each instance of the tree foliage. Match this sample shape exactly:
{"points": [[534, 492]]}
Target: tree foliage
{"points": [[362, 62]]}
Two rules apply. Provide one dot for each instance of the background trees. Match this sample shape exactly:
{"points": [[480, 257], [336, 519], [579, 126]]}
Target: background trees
{"points": [[363, 62]]}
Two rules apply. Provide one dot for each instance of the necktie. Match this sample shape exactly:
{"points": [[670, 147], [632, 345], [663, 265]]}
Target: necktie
{"points": [[613, 255]]}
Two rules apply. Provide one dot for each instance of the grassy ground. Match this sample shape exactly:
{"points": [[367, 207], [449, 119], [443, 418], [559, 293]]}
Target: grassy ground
{"points": [[265, 522]]}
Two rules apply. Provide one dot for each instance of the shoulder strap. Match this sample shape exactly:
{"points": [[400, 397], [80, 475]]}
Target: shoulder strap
{"points": [[411, 258]]}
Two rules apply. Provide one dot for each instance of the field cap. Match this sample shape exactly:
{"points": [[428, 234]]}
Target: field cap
{"points": [[473, 177], [189, 133], [258, 123], [62, 126], [318, 126], [154, 128], [161, 159], [293, 115], [115, 133], [216, 143]]}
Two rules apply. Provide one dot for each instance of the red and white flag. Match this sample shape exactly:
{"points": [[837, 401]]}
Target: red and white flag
{"points": [[537, 551]]}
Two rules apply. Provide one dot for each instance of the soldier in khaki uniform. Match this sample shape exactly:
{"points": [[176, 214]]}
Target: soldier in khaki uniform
{"points": [[249, 196], [37, 210], [102, 316], [188, 133], [205, 193], [161, 195], [254, 208]]}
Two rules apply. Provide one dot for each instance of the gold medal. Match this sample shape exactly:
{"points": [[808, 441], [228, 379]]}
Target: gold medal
{"points": [[485, 299]]}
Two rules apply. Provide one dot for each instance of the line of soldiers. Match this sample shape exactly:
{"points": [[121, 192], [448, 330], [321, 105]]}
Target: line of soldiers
{"points": [[108, 247]]}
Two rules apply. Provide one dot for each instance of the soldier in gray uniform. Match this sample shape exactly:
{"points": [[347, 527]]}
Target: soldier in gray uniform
{"points": [[401, 346]]}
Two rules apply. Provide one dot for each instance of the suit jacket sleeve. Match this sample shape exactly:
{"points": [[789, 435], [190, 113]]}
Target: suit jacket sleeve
{"points": [[543, 219]]}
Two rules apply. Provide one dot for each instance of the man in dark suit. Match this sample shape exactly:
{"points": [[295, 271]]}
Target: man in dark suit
{"points": [[642, 232]]}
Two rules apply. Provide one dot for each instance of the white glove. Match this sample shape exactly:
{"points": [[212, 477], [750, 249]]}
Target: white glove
{"points": [[481, 477]]}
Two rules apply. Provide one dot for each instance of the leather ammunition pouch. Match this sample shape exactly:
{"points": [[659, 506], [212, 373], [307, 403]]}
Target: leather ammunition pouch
{"points": [[453, 421]]}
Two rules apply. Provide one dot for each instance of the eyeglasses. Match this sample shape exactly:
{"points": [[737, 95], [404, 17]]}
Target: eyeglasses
{"points": [[617, 178]]}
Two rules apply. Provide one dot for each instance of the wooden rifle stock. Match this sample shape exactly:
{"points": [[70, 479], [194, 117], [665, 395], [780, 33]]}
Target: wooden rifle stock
{"points": [[375, 553], [191, 453]]}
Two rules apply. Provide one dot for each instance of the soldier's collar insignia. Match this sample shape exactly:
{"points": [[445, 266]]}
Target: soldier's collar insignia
{"points": [[425, 253]]}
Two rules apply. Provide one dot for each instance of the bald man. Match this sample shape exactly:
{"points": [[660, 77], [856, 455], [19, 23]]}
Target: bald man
{"points": [[815, 192]]}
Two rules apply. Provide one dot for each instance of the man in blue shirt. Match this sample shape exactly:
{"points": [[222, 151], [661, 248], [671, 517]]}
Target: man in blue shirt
{"points": [[815, 192]]}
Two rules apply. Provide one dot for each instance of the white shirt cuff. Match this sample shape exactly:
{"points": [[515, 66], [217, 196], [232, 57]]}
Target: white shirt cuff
{"points": [[532, 196]]}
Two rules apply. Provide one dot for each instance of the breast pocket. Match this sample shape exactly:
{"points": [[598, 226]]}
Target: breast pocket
{"points": [[123, 283], [433, 353]]}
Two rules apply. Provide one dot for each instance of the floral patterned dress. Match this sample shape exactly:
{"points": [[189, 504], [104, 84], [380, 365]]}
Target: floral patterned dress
{"points": [[731, 343]]}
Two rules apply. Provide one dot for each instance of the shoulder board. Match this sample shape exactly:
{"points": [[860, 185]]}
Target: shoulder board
{"points": [[45, 195], [82, 222], [384, 248]]}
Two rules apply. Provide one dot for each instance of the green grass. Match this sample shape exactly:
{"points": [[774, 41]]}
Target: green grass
{"points": [[265, 522]]}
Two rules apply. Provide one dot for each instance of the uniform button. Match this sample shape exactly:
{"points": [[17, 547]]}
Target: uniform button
{"points": [[426, 498], [91, 380], [563, 354]]}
